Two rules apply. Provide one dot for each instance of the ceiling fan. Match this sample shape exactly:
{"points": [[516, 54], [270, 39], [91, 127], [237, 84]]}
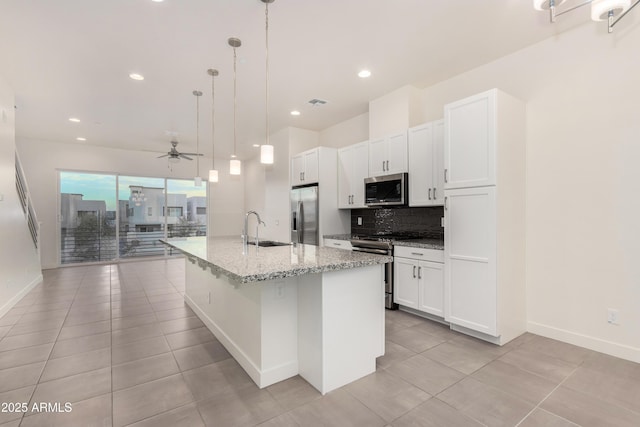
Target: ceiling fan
{"points": [[174, 155]]}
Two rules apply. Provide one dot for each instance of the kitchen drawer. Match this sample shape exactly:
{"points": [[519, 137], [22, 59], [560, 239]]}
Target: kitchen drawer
{"points": [[424, 254], [338, 244]]}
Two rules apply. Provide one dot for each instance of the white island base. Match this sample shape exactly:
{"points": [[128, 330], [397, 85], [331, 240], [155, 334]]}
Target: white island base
{"points": [[328, 327]]}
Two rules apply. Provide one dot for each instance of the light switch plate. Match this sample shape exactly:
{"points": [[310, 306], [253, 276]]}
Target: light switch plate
{"points": [[359, 220]]}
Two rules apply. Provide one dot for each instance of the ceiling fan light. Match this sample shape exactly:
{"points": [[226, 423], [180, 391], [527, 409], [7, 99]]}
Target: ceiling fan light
{"points": [[174, 159], [600, 8], [213, 175], [235, 167], [544, 4], [266, 154]]}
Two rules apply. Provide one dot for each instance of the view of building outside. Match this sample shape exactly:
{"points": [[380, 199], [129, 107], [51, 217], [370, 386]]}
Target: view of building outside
{"points": [[146, 210]]}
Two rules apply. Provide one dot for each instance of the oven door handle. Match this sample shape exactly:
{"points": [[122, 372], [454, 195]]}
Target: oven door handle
{"points": [[371, 251]]}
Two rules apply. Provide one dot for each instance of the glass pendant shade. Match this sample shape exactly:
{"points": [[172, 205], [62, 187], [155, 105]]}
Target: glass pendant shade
{"points": [[600, 8], [235, 167], [266, 154], [213, 175]]}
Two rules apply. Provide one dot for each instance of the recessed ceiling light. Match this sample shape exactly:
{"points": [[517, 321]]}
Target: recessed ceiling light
{"points": [[81, 138], [157, 1], [295, 113], [74, 120], [256, 145], [136, 76], [363, 74]]}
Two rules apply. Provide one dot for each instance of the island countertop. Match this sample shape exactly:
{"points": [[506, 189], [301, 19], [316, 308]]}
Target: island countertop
{"points": [[224, 255]]}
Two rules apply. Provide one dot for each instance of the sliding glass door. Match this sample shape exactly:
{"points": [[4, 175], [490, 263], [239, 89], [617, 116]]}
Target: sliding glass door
{"points": [[87, 217], [108, 217]]}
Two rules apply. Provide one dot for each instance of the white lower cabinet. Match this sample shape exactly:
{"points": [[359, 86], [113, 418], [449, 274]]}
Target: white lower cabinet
{"points": [[419, 279]]}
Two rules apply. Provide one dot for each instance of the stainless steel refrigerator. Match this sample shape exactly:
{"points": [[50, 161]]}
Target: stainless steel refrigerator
{"points": [[304, 215]]}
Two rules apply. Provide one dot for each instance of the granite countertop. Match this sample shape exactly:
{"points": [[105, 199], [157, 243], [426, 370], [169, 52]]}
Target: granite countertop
{"points": [[224, 255], [414, 243], [422, 243]]}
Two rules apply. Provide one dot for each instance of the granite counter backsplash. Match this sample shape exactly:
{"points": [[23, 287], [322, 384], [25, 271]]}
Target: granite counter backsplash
{"points": [[424, 221]]}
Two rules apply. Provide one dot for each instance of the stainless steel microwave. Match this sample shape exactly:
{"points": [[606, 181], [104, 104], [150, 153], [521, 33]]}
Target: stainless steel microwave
{"points": [[388, 190]]}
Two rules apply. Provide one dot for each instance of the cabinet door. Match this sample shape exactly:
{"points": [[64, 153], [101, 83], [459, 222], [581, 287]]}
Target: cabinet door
{"points": [[360, 172], [377, 157], [311, 168], [470, 258], [405, 282], [345, 172], [420, 173], [397, 153], [431, 288], [297, 169], [469, 141], [437, 154]]}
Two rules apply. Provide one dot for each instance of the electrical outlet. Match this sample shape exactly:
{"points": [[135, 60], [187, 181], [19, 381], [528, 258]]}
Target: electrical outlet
{"points": [[613, 316], [209, 297], [442, 222], [359, 220]]}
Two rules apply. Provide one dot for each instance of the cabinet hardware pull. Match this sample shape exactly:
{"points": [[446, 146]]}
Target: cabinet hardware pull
{"points": [[414, 271], [387, 165], [434, 194], [445, 176], [417, 254], [383, 166], [445, 203], [303, 173], [300, 176], [429, 194], [419, 272]]}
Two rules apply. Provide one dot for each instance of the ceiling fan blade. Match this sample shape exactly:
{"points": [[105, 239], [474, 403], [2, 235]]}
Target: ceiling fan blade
{"points": [[165, 155], [193, 154], [185, 157]]}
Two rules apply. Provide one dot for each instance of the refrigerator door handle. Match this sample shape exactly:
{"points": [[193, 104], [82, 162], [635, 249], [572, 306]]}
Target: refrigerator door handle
{"points": [[301, 222]]}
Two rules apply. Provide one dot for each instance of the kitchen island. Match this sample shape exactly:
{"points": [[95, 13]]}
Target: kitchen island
{"points": [[287, 310]]}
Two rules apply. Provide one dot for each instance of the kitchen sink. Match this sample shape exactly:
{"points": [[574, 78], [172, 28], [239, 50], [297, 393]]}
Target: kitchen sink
{"points": [[268, 243]]}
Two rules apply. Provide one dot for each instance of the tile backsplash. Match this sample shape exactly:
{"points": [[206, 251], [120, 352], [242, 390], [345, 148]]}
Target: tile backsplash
{"points": [[426, 221]]}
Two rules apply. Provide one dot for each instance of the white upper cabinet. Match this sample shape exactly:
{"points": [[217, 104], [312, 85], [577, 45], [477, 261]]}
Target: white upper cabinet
{"points": [[469, 141], [304, 168], [353, 168], [388, 155], [426, 161]]}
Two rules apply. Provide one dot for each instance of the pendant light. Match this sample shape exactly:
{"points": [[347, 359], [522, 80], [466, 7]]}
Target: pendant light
{"points": [[197, 180], [611, 11], [213, 173], [235, 166], [266, 150]]}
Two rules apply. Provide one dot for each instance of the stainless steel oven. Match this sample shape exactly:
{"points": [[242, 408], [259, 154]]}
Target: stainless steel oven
{"points": [[382, 247]]}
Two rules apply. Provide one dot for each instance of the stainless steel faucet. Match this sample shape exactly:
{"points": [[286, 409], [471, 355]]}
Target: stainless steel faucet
{"points": [[245, 233]]}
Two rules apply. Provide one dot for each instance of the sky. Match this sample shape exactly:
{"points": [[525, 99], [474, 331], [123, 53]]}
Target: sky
{"points": [[103, 187]]}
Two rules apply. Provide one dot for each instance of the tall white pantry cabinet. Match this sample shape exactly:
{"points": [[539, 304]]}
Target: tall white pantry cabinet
{"points": [[484, 155]]}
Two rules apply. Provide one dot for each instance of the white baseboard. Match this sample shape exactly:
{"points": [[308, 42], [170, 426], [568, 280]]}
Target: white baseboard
{"points": [[603, 346], [13, 301], [261, 378]]}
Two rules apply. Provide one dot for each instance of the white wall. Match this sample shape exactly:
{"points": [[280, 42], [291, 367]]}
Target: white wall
{"points": [[346, 133], [19, 262], [395, 111], [43, 159]]}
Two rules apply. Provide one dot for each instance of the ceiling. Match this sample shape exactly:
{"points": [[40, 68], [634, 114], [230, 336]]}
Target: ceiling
{"points": [[72, 58]]}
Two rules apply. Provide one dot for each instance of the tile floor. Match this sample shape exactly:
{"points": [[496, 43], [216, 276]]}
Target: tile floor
{"points": [[118, 343]]}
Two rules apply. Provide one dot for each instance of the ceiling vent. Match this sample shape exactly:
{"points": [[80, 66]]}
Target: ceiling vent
{"points": [[317, 102]]}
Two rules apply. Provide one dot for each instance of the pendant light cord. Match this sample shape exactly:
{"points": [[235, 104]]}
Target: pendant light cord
{"points": [[235, 102], [213, 123], [197, 135], [266, 15]]}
